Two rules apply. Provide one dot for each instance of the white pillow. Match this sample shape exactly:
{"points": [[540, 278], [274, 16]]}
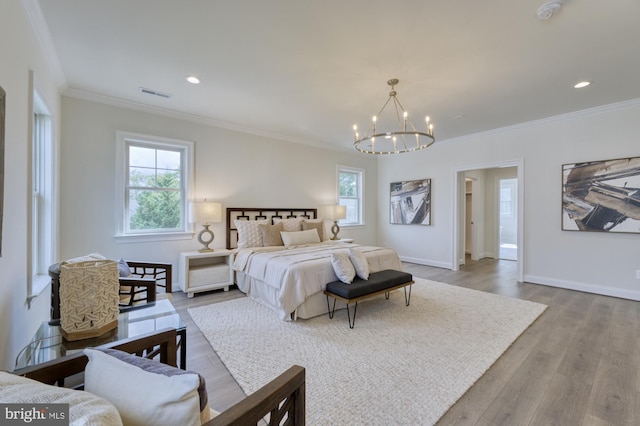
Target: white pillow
{"points": [[143, 397], [300, 237], [289, 225], [360, 263], [314, 224], [249, 234], [343, 267]]}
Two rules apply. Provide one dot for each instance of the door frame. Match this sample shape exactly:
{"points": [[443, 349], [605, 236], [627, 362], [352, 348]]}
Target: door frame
{"points": [[459, 200]]}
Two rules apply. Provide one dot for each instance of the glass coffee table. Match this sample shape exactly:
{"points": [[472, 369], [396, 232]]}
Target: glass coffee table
{"points": [[48, 343]]}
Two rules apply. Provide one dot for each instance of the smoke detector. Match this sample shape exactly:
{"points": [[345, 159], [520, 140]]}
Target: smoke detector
{"points": [[548, 9]]}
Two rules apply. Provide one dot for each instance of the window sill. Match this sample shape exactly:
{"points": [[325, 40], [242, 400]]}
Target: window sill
{"points": [[145, 238], [352, 225], [39, 284]]}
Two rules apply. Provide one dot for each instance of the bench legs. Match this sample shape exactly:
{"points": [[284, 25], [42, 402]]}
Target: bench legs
{"points": [[332, 310], [407, 299], [352, 322]]}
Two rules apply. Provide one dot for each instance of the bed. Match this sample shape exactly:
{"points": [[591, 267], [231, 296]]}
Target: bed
{"points": [[289, 276]]}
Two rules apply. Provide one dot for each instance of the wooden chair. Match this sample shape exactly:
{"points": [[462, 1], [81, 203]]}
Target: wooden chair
{"points": [[159, 272], [283, 399], [142, 285]]}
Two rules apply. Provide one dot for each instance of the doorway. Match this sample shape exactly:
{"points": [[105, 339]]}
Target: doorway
{"points": [[495, 189]]}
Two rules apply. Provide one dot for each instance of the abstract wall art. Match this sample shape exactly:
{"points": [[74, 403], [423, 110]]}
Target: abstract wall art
{"points": [[601, 196], [411, 202]]}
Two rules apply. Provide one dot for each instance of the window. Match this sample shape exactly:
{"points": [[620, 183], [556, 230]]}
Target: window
{"points": [[350, 194], [154, 182], [507, 197], [41, 244]]}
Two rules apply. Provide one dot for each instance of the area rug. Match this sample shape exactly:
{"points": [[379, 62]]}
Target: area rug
{"points": [[399, 365]]}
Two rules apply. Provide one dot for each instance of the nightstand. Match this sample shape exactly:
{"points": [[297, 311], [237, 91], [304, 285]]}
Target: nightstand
{"points": [[205, 271]]}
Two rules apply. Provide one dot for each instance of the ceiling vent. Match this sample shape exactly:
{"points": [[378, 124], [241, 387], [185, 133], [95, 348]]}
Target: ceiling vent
{"points": [[155, 93]]}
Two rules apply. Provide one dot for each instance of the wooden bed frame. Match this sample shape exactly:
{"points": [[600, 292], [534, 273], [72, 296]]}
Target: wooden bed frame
{"points": [[283, 397], [257, 213]]}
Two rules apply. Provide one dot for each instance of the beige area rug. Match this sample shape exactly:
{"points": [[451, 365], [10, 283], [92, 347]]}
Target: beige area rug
{"points": [[403, 365]]}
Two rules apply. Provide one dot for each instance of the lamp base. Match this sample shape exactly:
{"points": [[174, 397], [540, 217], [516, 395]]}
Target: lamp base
{"points": [[334, 230], [205, 243]]}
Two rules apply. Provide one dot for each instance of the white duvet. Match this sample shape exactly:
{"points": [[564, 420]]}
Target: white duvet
{"points": [[298, 272]]}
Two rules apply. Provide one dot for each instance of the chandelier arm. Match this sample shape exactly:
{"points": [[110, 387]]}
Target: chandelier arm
{"points": [[396, 104], [384, 106]]}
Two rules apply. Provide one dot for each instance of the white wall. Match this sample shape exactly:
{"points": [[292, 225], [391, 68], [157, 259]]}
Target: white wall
{"points": [[21, 53], [236, 169], [598, 262]]}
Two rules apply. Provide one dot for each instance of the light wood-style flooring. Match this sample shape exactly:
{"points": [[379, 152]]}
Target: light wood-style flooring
{"points": [[576, 365]]}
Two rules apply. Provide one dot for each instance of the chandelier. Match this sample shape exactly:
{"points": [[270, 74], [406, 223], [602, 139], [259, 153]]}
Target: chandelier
{"points": [[404, 139]]}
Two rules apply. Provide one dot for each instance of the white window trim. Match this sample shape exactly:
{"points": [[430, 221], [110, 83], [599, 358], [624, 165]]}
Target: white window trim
{"points": [[45, 245], [121, 235], [340, 168]]}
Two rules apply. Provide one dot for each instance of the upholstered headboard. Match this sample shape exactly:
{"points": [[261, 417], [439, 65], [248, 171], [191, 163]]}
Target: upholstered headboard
{"points": [[255, 213]]}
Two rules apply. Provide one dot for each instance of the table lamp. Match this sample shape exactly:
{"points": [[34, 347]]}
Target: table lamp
{"points": [[205, 213], [336, 213]]}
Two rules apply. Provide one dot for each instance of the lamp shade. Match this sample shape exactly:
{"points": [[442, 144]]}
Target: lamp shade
{"points": [[337, 212], [205, 212]]}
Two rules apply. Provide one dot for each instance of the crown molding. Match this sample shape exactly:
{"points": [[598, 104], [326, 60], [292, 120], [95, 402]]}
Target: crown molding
{"points": [[560, 117], [41, 30], [194, 118]]}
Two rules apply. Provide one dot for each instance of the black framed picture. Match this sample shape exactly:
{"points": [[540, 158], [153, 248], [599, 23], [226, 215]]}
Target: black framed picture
{"points": [[411, 202], [601, 196]]}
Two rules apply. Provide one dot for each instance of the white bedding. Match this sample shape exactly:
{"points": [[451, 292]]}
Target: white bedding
{"points": [[283, 278]]}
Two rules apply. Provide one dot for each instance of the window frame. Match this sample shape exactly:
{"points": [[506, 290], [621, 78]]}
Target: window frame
{"points": [[360, 196], [123, 141], [42, 201]]}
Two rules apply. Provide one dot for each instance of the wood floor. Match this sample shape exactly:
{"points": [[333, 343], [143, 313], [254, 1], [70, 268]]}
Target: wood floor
{"points": [[576, 365]]}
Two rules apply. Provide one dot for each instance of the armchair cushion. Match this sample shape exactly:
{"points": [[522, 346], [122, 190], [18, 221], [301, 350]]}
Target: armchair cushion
{"points": [[84, 407], [145, 391]]}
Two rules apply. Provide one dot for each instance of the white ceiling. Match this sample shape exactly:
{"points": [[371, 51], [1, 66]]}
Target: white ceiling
{"points": [[307, 71]]}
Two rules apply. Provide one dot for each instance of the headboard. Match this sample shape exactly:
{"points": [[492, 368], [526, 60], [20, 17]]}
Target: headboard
{"points": [[255, 213]]}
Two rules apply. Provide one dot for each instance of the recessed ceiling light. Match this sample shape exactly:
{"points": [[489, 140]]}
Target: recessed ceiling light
{"points": [[582, 84], [193, 79]]}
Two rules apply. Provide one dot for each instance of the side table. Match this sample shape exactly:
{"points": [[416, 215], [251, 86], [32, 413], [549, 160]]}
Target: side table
{"points": [[48, 343], [205, 271]]}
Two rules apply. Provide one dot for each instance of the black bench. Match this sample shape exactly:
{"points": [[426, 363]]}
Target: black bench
{"points": [[378, 283]]}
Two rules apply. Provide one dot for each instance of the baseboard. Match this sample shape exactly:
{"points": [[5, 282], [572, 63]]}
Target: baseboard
{"points": [[587, 288], [426, 262]]}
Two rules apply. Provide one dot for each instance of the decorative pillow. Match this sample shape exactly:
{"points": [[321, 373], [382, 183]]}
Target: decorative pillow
{"points": [[248, 232], [271, 234], [343, 267], [145, 391], [85, 408], [314, 224], [292, 224], [360, 263], [123, 268], [300, 237]]}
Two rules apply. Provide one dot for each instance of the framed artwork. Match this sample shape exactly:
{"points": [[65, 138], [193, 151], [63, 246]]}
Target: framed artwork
{"points": [[601, 196], [2, 113], [411, 202]]}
